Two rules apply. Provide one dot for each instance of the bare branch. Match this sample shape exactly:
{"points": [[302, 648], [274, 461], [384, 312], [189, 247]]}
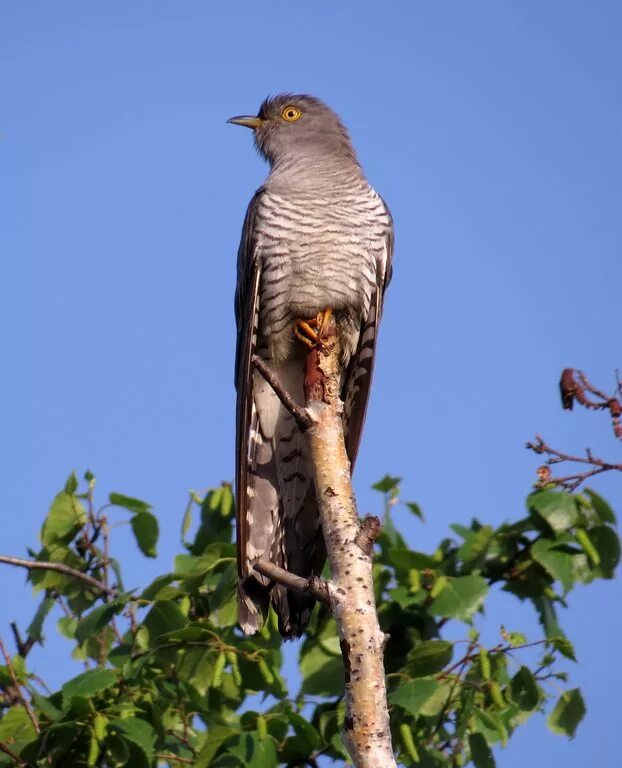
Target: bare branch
{"points": [[366, 731], [298, 412], [574, 385], [41, 565], [313, 586], [572, 481]]}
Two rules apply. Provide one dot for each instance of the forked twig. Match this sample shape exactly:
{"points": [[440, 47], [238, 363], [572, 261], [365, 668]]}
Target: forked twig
{"points": [[575, 386]]}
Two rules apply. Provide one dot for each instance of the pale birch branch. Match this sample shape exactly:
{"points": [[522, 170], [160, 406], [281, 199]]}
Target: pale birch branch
{"points": [[366, 731], [349, 543]]}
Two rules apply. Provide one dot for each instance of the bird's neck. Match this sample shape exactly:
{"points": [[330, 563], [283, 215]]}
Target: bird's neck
{"points": [[314, 170]]}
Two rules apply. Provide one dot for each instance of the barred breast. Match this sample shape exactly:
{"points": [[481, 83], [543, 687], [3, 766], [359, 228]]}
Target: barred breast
{"points": [[318, 248]]}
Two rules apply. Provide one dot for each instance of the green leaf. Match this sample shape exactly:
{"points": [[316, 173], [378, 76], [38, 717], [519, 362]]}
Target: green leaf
{"points": [[607, 544], [128, 502], [118, 750], [189, 566], [264, 753], [67, 626], [71, 484], [601, 507], [557, 563], [437, 701], [224, 598], [16, 725], [481, 754], [564, 646], [516, 638], [298, 747], [413, 695], [557, 508], [88, 684], [460, 597], [429, 657], [547, 616], [158, 585], [304, 730], [389, 533], [476, 544], [138, 731], [187, 520], [196, 666], [164, 616], [404, 560], [64, 520], [415, 509], [97, 619], [226, 501], [387, 484], [35, 628], [216, 520], [217, 735], [492, 729], [568, 713], [525, 692], [145, 527], [322, 673]]}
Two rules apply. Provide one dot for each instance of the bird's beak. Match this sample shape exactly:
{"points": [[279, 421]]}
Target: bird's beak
{"points": [[246, 120]]}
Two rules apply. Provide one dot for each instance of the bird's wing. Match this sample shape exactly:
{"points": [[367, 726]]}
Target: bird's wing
{"points": [[357, 383], [247, 316]]}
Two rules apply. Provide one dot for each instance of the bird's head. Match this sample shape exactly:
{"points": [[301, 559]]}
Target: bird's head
{"points": [[290, 125]]}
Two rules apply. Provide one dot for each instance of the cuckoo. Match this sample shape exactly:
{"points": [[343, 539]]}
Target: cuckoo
{"points": [[317, 243]]}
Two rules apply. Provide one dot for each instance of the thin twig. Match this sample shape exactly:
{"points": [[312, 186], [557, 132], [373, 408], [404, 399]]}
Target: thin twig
{"points": [[312, 586], [174, 758], [183, 739], [23, 647], [462, 664], [301, 416], [501, 648], [22, 698], [574, 480], [41, 565], [4, 747]]}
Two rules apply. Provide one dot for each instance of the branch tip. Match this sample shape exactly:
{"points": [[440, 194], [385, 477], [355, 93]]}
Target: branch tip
{"points": [[367, 534], [301, 416]]}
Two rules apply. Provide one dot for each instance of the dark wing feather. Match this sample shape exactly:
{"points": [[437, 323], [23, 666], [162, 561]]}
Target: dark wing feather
{"points": [[357, 383], [246, 315]]}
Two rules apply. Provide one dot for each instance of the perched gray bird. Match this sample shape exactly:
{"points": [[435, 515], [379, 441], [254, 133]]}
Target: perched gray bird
{"points": [[316, 239]]}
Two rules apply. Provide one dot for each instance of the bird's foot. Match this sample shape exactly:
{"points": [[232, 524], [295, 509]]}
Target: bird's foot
{"points": [[312, 332]]}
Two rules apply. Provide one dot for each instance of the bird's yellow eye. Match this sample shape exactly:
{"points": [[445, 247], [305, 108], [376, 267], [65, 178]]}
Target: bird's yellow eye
{"points": [[291, 114]]}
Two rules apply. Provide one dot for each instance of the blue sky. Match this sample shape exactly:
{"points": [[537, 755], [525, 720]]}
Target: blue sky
{"points": [[493, 131]]}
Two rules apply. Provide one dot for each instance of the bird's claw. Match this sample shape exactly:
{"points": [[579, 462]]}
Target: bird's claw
{"points": [[311, 332]]}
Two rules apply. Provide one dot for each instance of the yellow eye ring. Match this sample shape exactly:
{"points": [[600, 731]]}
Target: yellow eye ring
{"points": [[291, 114]]}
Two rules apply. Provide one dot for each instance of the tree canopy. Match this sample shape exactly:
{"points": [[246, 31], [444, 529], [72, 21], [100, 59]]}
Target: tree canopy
{"points": [[170, 680]]}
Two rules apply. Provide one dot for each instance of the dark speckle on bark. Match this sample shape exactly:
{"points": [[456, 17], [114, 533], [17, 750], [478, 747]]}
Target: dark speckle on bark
{"points": [[345, 653]]}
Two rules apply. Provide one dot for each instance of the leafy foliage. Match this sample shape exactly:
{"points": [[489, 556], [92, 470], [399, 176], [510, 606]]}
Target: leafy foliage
{"points": [[168, 676]]}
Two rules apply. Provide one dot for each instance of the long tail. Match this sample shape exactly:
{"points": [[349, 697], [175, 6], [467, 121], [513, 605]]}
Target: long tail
{"points": [[283, 522]]}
